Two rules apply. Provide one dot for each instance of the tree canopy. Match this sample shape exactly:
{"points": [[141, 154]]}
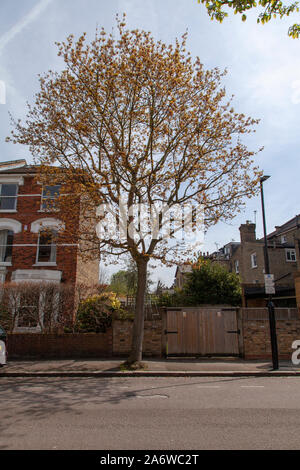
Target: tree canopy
{"points": [[211, 283], [269, 9]]}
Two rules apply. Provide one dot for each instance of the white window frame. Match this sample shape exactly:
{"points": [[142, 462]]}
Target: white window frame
{"points": [[253, 260], [53, 247], [293, 251], [237, 266], [15, 197], [2, 262], [283, 239], [43, 198]]}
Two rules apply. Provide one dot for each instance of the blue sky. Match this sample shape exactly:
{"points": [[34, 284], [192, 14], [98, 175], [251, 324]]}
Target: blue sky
{"points": [[263, 74]]}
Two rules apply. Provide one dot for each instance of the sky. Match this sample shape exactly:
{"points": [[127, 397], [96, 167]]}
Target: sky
{"points": [[263, 66]]}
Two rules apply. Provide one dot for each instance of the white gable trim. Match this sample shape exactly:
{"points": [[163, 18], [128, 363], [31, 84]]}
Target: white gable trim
{"points": [[11, 179], [47, 223], [10, 224]]}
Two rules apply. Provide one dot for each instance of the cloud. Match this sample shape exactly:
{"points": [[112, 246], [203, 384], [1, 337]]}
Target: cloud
{"points": [[25, 21]]}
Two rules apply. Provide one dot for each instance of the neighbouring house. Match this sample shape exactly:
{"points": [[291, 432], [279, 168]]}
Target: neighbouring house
{"points": [[180, 274], [32, 247], [246, 258]]}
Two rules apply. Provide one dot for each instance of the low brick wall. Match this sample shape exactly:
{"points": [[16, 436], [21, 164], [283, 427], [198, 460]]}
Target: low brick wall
{"points": [[122, 336], [115, 342], [256, 334], [45, 346]]}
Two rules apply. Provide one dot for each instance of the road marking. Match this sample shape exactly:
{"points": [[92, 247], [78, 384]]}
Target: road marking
{"points": [[252, 386], [152, 396], [209, 386]]}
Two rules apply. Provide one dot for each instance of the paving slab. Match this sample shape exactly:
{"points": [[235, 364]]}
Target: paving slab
{"points": [[154, 367]]}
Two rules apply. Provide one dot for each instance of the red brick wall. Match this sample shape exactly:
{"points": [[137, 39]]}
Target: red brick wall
{"points": [[256, 337], [116, 341], [28, 211], [122, 336], [93, 345]]}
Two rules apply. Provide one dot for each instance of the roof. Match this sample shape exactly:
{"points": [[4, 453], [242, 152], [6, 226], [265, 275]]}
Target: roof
{"points": [[294, 222], [13, 167]]}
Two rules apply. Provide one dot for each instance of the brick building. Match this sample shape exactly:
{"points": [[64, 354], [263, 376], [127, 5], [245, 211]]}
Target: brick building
{"points": [[32, 245], [246, 258]]}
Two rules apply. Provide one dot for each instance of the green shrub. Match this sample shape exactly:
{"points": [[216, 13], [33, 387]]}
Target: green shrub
{"points": [[94, 315]]}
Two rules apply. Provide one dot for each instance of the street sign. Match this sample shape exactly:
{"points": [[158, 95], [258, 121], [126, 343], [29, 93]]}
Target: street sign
{"points": [[2, 353], [269, 284]]}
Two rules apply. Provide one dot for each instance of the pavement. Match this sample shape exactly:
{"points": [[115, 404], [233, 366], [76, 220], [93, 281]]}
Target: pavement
{"points": [[170, 367]]}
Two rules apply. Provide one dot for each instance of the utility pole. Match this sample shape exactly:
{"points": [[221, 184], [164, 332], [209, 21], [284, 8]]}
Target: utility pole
{"points": [[272, 320]]}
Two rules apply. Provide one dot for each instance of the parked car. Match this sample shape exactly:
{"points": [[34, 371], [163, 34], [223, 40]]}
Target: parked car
{"points": [[3, 350]]}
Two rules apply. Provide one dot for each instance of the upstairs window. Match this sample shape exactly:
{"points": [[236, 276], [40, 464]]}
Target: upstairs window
{"points": [[49, 197], [46, 252], [253, 260], [290, 255], [8, 197], [6, 243], [237, 266], [283, 239]]}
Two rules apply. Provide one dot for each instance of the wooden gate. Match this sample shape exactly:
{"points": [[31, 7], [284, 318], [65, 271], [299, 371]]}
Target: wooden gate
{"points": [[202, 331]]}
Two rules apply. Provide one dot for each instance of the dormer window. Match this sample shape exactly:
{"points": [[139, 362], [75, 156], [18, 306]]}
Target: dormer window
{"points": [[8, 197], [49, 197]]}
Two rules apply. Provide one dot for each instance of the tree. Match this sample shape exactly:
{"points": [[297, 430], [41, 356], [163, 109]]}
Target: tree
{"points": [[141, 130], [210, 283], [270, 9], [124, 282]]}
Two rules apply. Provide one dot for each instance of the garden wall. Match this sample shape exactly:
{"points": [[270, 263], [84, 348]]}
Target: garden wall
{"points": [[256, 332], [254, 339], [115, 342], [45, 346]]}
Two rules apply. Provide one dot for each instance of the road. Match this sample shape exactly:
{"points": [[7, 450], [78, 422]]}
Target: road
{"points": [[150, 413]]}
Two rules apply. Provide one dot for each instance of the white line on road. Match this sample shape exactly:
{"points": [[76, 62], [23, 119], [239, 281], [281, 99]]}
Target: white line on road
{"points": [[208, 386], [252, 386]]}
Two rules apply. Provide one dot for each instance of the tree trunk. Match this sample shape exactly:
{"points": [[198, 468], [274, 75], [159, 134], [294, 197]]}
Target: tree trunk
{"points": [[138, 324]]}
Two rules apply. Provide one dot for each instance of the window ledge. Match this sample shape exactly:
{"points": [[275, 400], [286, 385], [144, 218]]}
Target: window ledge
{"points": [[47, 211], [5, 263], [8, 211], [27, 329], [45, 264]]}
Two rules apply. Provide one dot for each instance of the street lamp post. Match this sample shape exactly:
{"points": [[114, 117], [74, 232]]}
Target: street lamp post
{"points": [[272, 320]]}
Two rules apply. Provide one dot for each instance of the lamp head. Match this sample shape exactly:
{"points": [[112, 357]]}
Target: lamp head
{"points": [[264, 178]]}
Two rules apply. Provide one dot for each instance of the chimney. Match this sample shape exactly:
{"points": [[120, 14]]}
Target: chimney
{"points": [[247, 232]]}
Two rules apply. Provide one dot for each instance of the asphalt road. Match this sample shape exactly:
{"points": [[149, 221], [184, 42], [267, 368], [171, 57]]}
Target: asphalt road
{"points": [[150, 413]]}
